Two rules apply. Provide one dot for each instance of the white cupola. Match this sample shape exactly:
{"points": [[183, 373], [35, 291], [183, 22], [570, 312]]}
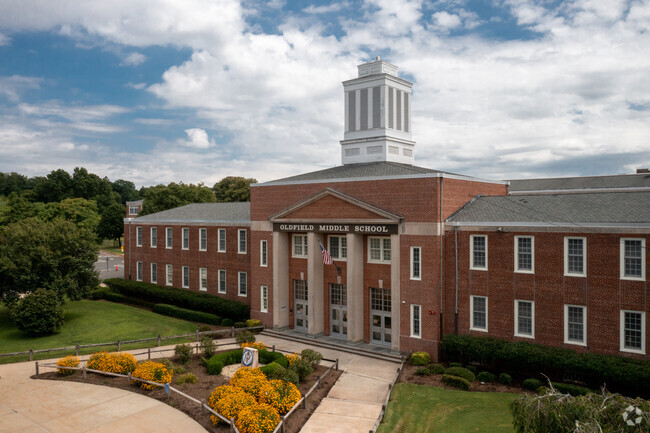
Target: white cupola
{"points": [[377, 116]]}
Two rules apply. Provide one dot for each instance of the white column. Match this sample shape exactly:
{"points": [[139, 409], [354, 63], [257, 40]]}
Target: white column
{"points": [[396, 303], [280, 280], [315, 317], [355, 287]]}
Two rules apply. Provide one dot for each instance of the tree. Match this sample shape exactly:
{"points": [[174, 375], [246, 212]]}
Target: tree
{"points": [[56, 255], [82, 212], [39, 313], [159, 198], [233, 189], [111, 226], [126, 190], [12, 182]]}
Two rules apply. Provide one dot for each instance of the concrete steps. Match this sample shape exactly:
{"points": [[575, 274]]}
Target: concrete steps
{"points": [[361, 349]]}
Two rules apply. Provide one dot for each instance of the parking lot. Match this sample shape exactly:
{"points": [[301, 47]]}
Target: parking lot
{"points": [[110, 265]]}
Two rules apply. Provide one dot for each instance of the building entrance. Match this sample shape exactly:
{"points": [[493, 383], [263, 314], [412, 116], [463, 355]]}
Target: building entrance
{"points": [[380, 316], [338, 311], [301, 309]]}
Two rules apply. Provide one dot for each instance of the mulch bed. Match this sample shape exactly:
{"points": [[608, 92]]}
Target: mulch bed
{"points": [[202, 389]]}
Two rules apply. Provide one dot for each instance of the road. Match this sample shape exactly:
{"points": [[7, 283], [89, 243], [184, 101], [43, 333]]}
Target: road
{"points": [[110, 265]]}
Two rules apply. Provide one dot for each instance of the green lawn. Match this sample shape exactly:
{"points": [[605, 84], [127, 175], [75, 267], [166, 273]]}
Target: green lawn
{"points": [[89, 322], [421, 409]]}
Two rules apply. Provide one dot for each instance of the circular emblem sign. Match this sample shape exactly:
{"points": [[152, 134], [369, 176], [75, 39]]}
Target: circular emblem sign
{"points": [[247, 358]]}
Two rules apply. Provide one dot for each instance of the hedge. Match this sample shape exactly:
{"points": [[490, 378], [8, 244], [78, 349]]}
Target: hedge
{"points": [[620, 374], [235, 310], [184, 313], [456, 382], [109, 295], [221, 359], [460, 372]]}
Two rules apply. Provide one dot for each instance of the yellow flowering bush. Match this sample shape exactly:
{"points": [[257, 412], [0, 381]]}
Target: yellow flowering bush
{"points": [[121, 363], [230, 404], [254, 345], [153, 372], [261, 418], [292, 357], [68, 361], [250, 380], [96, 361], [281, 395]]}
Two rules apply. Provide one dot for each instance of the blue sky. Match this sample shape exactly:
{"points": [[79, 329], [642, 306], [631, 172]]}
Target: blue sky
{"points": [[158, 91]]}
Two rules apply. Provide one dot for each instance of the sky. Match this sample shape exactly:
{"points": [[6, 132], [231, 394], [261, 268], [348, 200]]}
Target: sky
{"points": [[159, 91]]}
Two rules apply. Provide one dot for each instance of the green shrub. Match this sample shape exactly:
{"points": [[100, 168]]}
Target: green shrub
{"points": [[505, 379], [422, 371], [109, 295], [168, 364], [532, 384], [208, 347], [273, 370], [235, 310], [227, 322], [420, 358], [455, 364], [267, 357], [183, 353], [436, 369], [291, 376], [473, 369], [486, 377], [311, 356], [303, 368], [568, 388], [186, 378], [214, 366], [253, 322], [39, 313], [245, 337], [239, 324], [205, 328], [184, 313], [460, 372], [456, 381]]}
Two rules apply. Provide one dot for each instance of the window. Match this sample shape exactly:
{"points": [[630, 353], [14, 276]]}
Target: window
{"points": [[222, 241], [154, 237], [138, 236], [203, 239], [525, 319], [478, 252], [416, 261], [169, 275], [186, 277], [633, 259], [134, 209], [264, 301], [186, 238], [338, 247], [378, 250], [242, 284], [139, 271], [168, 241], [575, 324], [633, 331], [299, 246], [203, 279], [479, 313], [263, 253], [241, 249], [525, 254], [154, 273], [575, 264], [222, 281], [415, 321]]}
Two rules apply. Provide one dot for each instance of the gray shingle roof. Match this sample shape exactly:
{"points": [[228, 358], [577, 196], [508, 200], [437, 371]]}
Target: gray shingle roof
{"points": [[603, 208], [202, 212], [640, 180]]}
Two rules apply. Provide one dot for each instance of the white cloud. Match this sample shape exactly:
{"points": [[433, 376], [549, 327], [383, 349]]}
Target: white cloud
{"points": [[137, 86], [445, 20], [333, 7], [14, 86], [197, 138], [134, 59], [4, 40]]}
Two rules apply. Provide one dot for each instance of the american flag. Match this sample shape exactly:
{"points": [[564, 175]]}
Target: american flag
{"points": [[327, 259]]}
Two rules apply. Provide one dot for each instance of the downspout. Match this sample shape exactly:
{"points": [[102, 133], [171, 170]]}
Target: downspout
{"points": [[130, 248], [456, 306], [441, 234]]}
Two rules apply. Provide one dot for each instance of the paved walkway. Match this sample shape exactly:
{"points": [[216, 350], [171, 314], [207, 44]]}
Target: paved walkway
{"points": [[47, 406]]}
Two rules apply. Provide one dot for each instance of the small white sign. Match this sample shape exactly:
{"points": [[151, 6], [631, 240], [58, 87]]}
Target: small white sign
{"points": [[250, 358]]}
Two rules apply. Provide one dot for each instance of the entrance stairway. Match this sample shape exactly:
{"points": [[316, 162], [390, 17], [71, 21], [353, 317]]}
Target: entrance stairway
{"points": [[363, 349]]}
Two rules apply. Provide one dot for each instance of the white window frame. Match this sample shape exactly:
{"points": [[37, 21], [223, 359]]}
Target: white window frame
{"points": [[221, 238], [416, 320], [339, 254], [532, 319], [628, 277], [185, 238], [622, 330], [139, 270], [471, 314], [153, 276], [203, 287], [169, 239], [138, 236], [239, 284], [134, 209], [221, 289], [532, 255], [417, 277], [241, 236], [264, 299], [303, 246], [382, 249], [584, 325], [185, 272], [264, 253], [153, 237], [472, 266], [203, 239], [566, 257], [169, 275]]}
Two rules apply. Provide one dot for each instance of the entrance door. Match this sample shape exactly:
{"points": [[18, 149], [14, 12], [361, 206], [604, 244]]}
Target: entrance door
{"points": [[338, 311], [301, 309], [380, 318]]}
